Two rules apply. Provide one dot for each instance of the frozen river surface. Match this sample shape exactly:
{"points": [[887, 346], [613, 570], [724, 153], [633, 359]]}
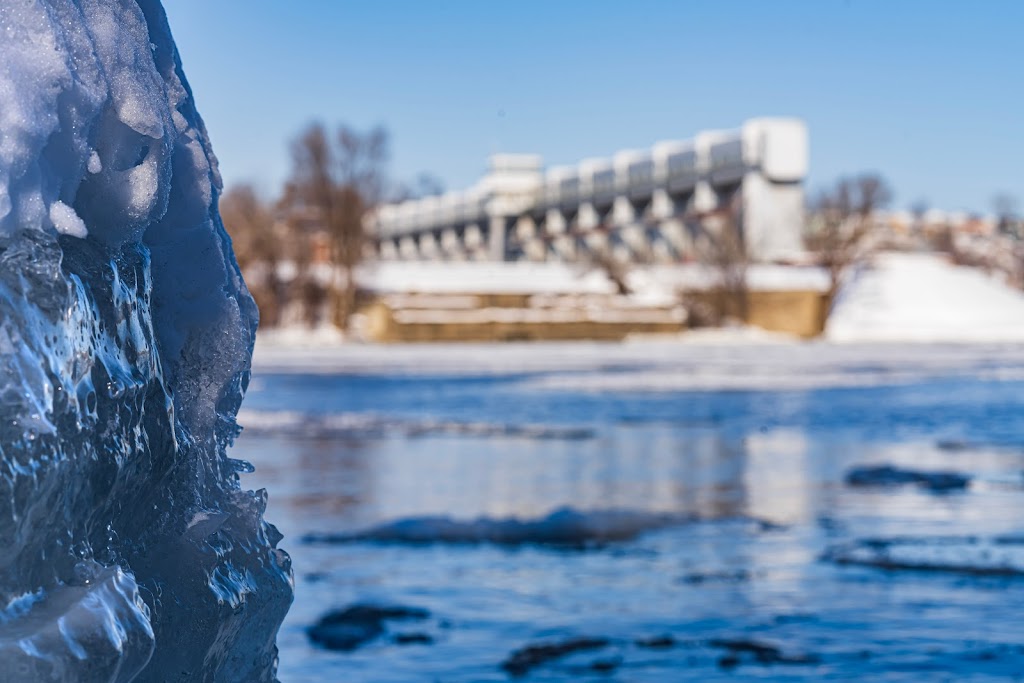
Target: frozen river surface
{"points": [[685, 511]]}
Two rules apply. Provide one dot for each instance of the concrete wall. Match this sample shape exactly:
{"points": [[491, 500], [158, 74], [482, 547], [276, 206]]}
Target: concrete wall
{"points": [[517, 318], [801, 313]]}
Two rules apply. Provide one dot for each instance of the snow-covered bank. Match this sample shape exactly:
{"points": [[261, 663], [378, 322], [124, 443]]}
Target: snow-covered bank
{"points": [[402, 277], [924, 298], [429, 277], [298, 339], [897, 298]]}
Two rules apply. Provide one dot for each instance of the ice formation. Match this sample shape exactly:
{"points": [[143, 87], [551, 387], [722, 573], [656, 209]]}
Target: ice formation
{"points": [[566, 527], [129, 550]]}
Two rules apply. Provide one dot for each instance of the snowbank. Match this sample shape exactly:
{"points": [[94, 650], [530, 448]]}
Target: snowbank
{"points": [[299, 337], [761, 277], [565, 527], [402, 277], [924, 298], [653, 283]]}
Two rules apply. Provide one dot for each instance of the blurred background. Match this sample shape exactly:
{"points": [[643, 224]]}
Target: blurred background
{"points": [[642, 342], [596, 138]]}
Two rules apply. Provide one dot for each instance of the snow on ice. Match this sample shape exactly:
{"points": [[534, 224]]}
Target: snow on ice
{"points": [[125, 335]]}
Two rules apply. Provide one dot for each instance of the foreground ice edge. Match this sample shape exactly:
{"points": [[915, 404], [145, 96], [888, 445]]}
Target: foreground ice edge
{"points": [[130, 551]]}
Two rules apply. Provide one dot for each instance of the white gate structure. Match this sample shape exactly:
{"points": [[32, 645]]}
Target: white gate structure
{"points": [[640, 206]]}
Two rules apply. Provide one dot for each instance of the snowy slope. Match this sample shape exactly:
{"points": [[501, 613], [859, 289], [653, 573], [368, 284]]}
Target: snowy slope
{"points": [[924, 298]]}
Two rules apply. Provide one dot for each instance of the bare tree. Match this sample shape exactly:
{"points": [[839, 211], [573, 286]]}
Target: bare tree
{"points": [[335, 181], [615, 270], [429, 185], [258, 248], [1005, 207], [721, 247], [919, 209], [841, 219], [425, 185]]}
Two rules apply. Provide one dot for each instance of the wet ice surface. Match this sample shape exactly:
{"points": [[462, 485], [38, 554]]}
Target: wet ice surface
{"points": [[772, 565], [129, 550]]}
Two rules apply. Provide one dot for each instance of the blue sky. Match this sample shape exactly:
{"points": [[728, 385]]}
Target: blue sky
{"points": [[926, 92]]}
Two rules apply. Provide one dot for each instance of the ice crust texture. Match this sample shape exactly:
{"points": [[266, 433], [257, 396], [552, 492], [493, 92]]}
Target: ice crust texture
{"points": [[128, 549]]}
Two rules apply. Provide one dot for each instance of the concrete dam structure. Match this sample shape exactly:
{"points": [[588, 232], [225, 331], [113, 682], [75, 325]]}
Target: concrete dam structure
{"points": [[652, 206]]}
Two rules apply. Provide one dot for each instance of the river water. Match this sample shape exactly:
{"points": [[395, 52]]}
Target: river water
{"points": [[685, 507]]}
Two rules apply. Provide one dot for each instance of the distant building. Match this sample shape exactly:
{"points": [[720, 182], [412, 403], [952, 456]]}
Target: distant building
{"points": [[653, 205]]}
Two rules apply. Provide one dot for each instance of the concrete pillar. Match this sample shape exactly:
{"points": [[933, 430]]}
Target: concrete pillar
{"points": [[408, 248], [773, 215], [662, 205], [705, 198], [473, 237], [526, 228], [634, 236], [596, 242], [429, 248], [473, 243], [623, 212], [452, 246], [554, 222], [528, 237], [587, 218], [565, 246], [388, 250], [535, 249], [675, 234], [496, 238], [661, 252]]}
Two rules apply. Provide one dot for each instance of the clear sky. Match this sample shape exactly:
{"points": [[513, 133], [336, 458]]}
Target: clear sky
{"points": [[927, 92]]}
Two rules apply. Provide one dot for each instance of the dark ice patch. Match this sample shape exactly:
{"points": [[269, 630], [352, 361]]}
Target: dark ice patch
{"points": [[725, 576], [748, 651], [349, 629], [565, 527], [888, 476], [953, 445], [663, 642], [525, 659], [605, 666]]}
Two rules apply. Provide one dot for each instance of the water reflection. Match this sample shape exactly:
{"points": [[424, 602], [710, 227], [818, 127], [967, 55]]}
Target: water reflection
{"points": [[779, 477], [312, 479], [716, 456], [348, 483], [783, 475]]}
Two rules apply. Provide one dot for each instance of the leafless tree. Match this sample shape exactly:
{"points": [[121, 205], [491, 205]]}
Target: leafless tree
{"points": [[250, 222], [429, 185], [720, 246], [919, 209], [1005, 207], [841, 219], [335, 181], [614, 269], [425, 185]]}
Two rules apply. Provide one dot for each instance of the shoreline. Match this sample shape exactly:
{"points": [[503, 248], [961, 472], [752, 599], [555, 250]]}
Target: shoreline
{"points": [[702, 363]]}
